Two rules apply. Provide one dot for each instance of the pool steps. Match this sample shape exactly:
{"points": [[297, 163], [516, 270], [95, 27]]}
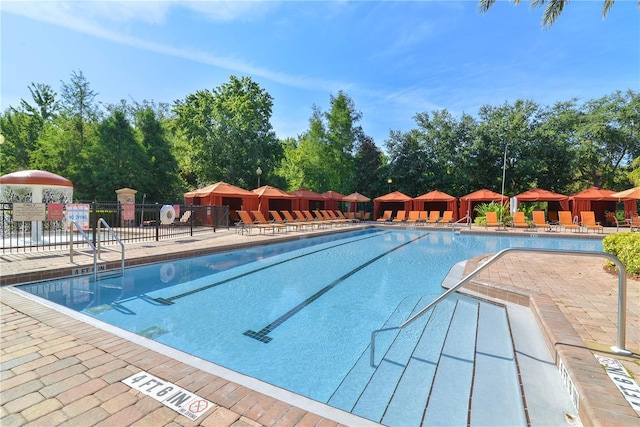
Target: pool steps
{"points": [[462, 359]]}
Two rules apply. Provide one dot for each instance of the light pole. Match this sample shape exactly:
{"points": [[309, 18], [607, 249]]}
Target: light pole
{"points": [[259, 173], [504, 170], [389, 181]]}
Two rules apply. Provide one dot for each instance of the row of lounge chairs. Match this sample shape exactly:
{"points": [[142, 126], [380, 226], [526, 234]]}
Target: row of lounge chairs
{"points": [[296, 220], [418, 217], [565, 221]]}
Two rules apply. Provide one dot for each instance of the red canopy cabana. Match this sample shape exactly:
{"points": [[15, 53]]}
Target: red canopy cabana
{"points": [[436, 200], [599, 200], [221, 194], [307, 200], [271, 198], [333, 198], [468, 202], [557, 202], [395, 202]]}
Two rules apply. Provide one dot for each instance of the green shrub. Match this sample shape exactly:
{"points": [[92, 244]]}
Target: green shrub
{"points": [[626, 246], [482, 209]]}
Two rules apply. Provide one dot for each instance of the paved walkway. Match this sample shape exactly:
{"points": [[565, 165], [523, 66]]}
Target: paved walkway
{"points": [[59, 370]]}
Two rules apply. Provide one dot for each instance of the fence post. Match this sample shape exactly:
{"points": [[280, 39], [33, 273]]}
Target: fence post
{"points": [[157, 221], [94, 223]]}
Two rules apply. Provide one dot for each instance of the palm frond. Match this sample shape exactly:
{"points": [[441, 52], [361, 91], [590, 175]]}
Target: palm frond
{"points": [[485, 5], [552, 11], [606, 6]]}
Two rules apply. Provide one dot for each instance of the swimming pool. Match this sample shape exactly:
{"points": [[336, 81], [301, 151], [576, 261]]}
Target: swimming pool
{"points": [[294, 314]]}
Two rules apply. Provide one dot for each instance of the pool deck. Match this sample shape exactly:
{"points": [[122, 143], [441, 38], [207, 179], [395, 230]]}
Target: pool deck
{"points": [[59, 370]]}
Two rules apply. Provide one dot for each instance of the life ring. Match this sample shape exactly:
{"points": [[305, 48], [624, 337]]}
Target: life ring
{"points": [[167, 214], [167, 272]]}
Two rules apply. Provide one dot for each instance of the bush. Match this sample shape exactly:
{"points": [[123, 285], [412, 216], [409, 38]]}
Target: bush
{"points": [[626, 246], [482, 209]]}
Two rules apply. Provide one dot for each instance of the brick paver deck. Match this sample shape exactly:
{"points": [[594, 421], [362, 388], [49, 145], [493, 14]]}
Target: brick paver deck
{"points": [[59, 371]]}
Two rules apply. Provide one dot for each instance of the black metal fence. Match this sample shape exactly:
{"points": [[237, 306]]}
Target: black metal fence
{"points": [[131, 223]]}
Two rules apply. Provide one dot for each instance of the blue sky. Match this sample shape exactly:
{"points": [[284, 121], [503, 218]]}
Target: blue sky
{"points": [[393, 58]]}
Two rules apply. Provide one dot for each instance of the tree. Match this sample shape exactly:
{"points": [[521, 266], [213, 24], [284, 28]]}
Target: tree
{"points": [[230, 132], [369, 175], [117, 160], [342, 134], [163, 179], [408, 162], [551, 12]]}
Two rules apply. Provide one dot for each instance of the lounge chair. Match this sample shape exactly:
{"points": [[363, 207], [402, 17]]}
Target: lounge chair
{"points": [[589, 221], [290, 219], [414, 217], [303, 218], [539, 221], [246, 223], [318, 220], [330, 216], [262, 222], [635, 223], [424, 216], [519, 220], [434, 216], [277, 219], [566, 222], [610, 218], [386, 216], [447, 217], [553, 217], [342, 216], [400, 217], [491, 220]]}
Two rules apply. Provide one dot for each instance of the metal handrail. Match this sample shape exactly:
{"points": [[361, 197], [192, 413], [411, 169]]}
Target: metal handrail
{"points": [[114, 235], [622, 293], [91, 245], [466, 218]]}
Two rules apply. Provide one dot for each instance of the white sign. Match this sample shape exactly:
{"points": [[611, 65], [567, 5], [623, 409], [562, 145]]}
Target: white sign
{"points": [[79, 213], [622, 380], [176, 398]]}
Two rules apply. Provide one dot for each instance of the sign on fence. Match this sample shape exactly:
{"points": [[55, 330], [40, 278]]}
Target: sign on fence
{"points": [[29, 212], [54, 212], [78, 212]]}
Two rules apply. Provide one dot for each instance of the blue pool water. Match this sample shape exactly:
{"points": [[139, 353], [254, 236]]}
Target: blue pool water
{"points": [[297, 314]]}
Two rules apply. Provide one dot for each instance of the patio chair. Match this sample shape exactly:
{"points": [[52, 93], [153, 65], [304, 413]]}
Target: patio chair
{"points": [[290, 219], [414, 217], [539, 221], [245, 222], [342, 216], [386, 216], [331, 216], [566, 222], [519, 220], [317, 220], [589, 221], [277, 219], [400, 217], [447, 217], [434, 216], [610, 218], [261, 221], [635, 223], [491, 220], [424, 216]]}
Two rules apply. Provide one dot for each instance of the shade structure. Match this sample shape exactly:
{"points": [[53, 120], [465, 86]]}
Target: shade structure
{"points": [[306, 200], [271, 198], [354, 199], [333, 197], [633, 193], [600, 200], [35, 177], [468, 202], [221, 194], [436, 201], [394, 201], [540, 195]]}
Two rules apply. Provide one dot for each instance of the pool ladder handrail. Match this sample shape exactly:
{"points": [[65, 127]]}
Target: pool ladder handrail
{"points": [[622, 293], [114, 235], [466, 218], [89, 242]]}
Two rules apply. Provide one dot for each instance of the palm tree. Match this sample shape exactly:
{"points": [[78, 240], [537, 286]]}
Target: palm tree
{"points": [[552, 10]]}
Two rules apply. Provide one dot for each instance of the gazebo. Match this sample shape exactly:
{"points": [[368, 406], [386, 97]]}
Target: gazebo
{"points": [[307, 200], [555, 201], [599, 200], [221, 194], [436, 201], [468, 202], [353, 199], [395, 201], [271, 198], [333, 197]]}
